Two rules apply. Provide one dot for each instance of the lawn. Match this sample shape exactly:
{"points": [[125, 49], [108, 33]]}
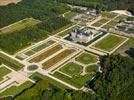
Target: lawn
{"points": [[86, 18], [28, 22], [110, 42], [97, 24], [14, 90], [126, 46], [86, 58], [46, 54], [39, 48], [109, 15], [64, 33], [29, 53], [10, 62], [119, 18], [77, 81], [44, 45], [37, 76], [3, 71], [92, 68], [103, 20], [70, 14], [72, 69], [100, 22], [111, 24], [58, 58], [107, 26]]}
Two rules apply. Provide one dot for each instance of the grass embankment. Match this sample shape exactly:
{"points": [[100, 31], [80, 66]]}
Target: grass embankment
{"points": [[10, 62]]}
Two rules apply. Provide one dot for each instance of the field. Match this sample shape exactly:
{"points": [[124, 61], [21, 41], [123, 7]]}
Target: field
{"points": [[57, 58], [72, 69], [46, 54], [100, 22], [126, 46], [39, 48], [120, 18], [108, 15], [6, 2], [111, 24], [92, 68], [10, 62], [86, 58], [37, 76], [64, 33], [86, 18], [3, 71], [14, 90], [110, 42], [70, 14], [28, 22], [77, 81]]}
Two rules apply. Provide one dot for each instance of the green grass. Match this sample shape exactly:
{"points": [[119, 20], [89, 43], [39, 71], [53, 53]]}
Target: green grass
{"points": [[62, 28], [70, 14], [57, 58], [10, 62], [20, 25], [111, 24], [100, 22], [86, 17], [14, 90], [29, 53], [92, 68], [77, 81], [109, 42], [103, 20], [108, 15], [39, 48], [46, 54], [72, 69], [107, 26], [97, 24], [37, 76], [120, 18], [86, 58], [3, 71], [62, 34], [126, 46], [42, 46]]}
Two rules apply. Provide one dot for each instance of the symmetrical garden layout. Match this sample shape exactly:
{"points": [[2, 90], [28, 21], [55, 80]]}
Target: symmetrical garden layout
{"points": [[66, 62]]}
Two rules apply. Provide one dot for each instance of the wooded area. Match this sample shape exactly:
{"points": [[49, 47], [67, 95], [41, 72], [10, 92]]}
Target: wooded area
{"points": [[103, 4]]}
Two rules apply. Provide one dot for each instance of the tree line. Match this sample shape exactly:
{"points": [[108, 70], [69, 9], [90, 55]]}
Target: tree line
{"points": [[103, 4]]}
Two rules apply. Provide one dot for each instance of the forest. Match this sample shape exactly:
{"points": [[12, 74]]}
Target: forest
{"points": [[39, 9], [47, 11], [103, 4], [116, 78]]}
